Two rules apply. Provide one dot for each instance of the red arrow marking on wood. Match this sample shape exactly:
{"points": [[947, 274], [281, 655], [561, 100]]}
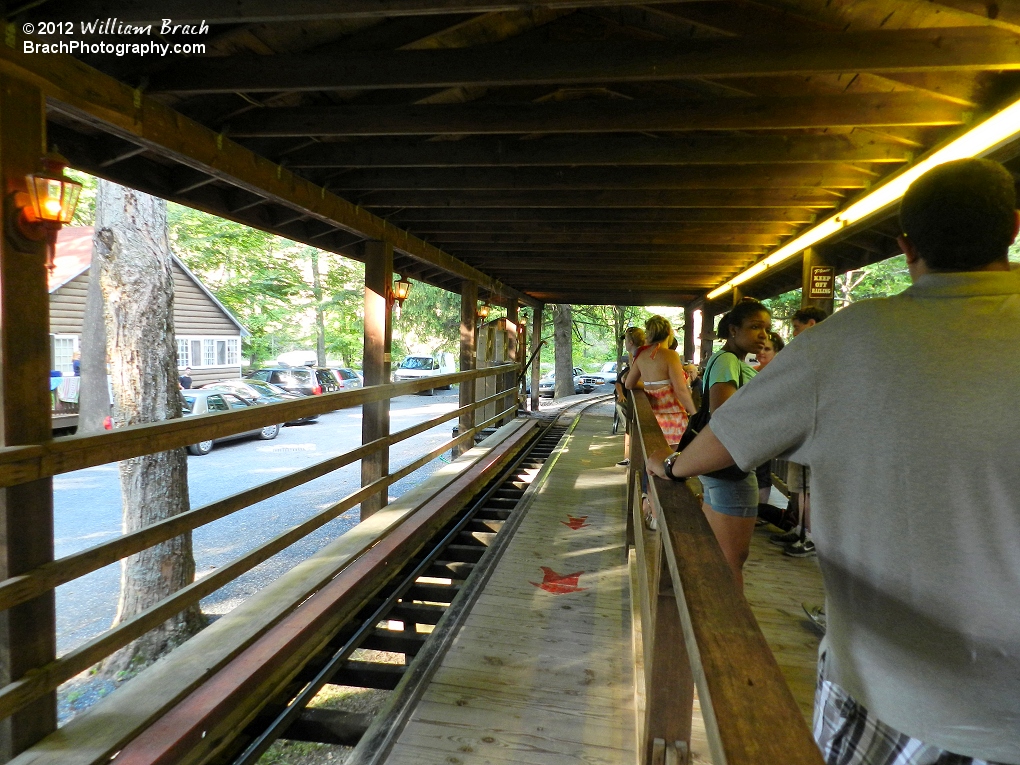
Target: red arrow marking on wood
{"points": [[557, 584], [575, 523]]}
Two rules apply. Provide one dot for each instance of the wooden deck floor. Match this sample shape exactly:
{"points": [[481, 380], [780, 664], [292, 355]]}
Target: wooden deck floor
{"points": [[537, 675], [545, 676]]}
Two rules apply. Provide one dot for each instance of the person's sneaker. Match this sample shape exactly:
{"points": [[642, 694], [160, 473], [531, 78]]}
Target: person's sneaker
{"points": [[800, 549], [623, 463], [816, 614], [785, 539]]}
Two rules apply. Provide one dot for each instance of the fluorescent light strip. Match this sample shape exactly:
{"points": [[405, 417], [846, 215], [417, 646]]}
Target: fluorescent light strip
{"points": [[977, 141]]}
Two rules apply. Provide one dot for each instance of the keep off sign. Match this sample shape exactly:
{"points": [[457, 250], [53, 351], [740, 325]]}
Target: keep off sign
{"points": [[820, 285]]}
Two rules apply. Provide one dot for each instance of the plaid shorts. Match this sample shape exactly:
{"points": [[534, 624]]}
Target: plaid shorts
{"points": [[848, 735]]}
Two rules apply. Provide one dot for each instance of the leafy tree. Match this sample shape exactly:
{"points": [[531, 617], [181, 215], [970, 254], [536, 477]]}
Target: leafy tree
{"points": [[429, 322]]}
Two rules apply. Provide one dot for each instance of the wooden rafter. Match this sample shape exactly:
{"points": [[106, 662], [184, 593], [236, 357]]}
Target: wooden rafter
{"points": [[590, 199], [945, 49], [605, 150], [602, 116]]}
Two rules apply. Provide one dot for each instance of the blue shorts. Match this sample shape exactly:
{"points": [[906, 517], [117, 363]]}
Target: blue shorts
{"points": [[736, 498]]}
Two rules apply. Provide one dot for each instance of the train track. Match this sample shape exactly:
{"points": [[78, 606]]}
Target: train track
{"points": [[405, 618]]}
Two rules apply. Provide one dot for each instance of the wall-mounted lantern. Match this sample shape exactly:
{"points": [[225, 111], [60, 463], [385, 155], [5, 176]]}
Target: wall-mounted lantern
{"points": [[49, 204], [399, 292], [483, 310]]}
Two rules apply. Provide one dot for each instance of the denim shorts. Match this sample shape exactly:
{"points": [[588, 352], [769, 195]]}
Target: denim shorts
{"points": [[736, 498]]}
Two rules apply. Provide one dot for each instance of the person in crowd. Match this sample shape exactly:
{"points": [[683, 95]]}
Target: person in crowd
{"points": [[731, 506], [797, 542], [633, 339], [921, 656], [76, 364], [772, 346], [185, 379], [785, 519], [659, 371], [807, 317], [694, 380]]}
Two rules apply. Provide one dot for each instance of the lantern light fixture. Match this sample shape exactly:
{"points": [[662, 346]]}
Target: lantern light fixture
{"points": [[48, 205], [399, 292], [483, 310]]}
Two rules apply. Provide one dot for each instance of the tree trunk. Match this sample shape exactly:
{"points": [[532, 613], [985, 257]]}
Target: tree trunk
{"points": [[320, 320], [94, 394], [137, 284], [620, 326], [563, 326]]}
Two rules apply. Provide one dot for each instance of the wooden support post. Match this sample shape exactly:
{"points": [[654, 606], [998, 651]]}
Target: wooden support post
{"points": [[738, 295], [509, 378], [375, 417], [707, 334], [817, 272], [669, 684], [28, 631], [468, 334], [536, 341], [689, 339]]}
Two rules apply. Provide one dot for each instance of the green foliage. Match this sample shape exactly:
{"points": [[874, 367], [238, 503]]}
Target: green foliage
{"points": [[429, 322], [85, 212]]}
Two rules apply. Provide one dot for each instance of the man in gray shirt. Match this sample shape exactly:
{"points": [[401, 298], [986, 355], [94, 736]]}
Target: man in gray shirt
{"points": [[915, 485]]}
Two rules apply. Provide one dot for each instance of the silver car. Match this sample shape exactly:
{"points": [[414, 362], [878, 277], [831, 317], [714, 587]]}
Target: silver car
{"points": [[210, 401]]}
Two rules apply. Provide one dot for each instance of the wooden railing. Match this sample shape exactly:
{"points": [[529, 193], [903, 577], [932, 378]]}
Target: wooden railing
{"points": [[21, 464], [697, 629]]}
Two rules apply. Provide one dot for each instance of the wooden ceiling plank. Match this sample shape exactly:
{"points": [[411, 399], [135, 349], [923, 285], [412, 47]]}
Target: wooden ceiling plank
{"points": [[779, 228], [710, 198], [606, 216], [596, 178], [477, 241], [273, 11], [602, 116], [606, 150], [901, 50]]}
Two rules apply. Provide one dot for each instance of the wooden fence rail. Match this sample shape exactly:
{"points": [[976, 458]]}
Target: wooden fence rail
{"points": [[21, 464], [750, 714], [32, 584]]}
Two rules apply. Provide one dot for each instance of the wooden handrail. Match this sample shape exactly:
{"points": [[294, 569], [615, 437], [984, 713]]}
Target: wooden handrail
{"points": [[31, 584], [750, 714], [42, 680], [21, 464]]}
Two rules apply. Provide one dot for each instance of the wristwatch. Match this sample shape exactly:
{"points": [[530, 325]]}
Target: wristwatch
{"points": [[668, 465]]}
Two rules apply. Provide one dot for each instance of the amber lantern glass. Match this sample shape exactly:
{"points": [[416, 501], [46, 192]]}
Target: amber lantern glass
{"points": [[52, 197]]}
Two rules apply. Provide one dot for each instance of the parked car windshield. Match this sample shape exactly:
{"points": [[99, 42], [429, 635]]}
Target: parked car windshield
{"points": [[418, 362], [187, 404]]}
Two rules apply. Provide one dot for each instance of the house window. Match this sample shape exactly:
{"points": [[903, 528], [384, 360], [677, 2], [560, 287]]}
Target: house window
{"points": [[208, 352], [63, 355]]}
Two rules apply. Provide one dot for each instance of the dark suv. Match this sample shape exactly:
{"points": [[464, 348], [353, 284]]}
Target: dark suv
{"points": [[304, 381]]}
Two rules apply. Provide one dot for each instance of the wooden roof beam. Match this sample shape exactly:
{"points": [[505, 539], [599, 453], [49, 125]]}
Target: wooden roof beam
{"points": [[514, 241], [413, 217], [604, 150], [438, 230], [900, 50], [596, 178], [602, 116], [760, 198], [273, 11]]}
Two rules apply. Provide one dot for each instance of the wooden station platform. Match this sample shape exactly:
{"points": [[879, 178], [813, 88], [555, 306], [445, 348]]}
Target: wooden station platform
{"points": [[540, 672]]}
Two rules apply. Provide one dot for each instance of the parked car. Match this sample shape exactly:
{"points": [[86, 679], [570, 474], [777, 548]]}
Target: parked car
{"points": [[210, 401], [258, 392], [348, 378], [302, 381], [417, 367], [605, 375], [547, 385]]}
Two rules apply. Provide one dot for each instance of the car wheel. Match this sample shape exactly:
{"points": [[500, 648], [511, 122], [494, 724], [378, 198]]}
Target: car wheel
{"points": [[269, 432], [201, 448]]}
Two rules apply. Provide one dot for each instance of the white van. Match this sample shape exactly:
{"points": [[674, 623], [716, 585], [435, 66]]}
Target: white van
{"points": [[417, 367]]}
